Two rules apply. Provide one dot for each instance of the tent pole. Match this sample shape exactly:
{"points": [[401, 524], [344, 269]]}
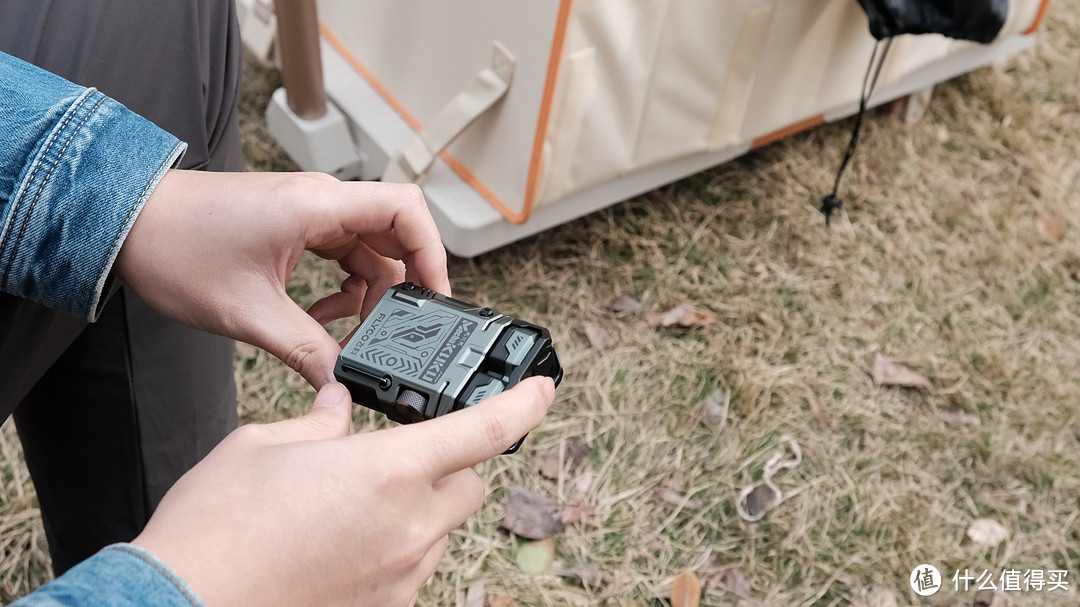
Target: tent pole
{"points": [[301, 62]]}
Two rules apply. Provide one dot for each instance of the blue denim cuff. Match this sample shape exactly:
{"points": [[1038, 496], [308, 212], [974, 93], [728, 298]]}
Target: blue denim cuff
{"points": [[120, 575], [76, 200]]}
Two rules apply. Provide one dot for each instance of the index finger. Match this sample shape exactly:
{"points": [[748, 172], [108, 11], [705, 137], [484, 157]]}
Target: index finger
{"points": [[478, 433], [397, 210]]}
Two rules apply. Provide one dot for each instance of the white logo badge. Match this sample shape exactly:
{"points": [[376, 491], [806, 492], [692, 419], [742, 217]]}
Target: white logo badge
{"points": [[925, 580]]}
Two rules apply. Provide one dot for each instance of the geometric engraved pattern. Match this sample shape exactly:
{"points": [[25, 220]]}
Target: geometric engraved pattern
{"points": [[405, 342]]}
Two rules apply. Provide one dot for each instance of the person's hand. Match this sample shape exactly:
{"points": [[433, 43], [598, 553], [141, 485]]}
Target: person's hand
{"points": [[298, 513], [213, 251]]}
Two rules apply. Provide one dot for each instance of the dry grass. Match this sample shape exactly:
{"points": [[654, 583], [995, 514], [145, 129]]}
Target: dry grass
{"points": [[938, 261], [24, 556]]}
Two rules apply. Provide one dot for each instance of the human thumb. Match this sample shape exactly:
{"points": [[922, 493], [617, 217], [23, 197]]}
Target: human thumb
{"points": [[289, 333], [330, 416]]}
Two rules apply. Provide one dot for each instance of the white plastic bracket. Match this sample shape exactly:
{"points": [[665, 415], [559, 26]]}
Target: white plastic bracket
{"points": [[258, 28], [323, 144]]}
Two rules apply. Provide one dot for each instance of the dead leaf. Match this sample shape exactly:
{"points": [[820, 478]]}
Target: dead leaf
{"points": [[625, 305], [887, 372], [989, 598], [586, 574], [476, 595], [815, 407], [685, 590], [500, 600], [760, 500], [683, 315], [715, 407], [736, 583], [601, 338], [534, 558], [1050, 227], [576, 453], [530, 514], [577, 514], [881, 597], [675, 498], [987, 532], [547, 464], [959, 418]]}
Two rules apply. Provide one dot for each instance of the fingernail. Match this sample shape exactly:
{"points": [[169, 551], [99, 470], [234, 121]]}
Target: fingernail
{"points": [[331, 394], [549, 386]]}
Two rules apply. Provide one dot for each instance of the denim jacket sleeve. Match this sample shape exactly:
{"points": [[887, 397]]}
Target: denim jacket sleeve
{"points": [[120, 575], [76, 168]]}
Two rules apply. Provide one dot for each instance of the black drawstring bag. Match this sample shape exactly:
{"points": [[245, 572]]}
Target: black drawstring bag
{"points": [[978, 20]]}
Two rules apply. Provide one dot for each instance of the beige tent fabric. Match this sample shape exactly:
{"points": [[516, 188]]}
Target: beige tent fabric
{"points": [[678, 77], [424, 52], [635, 84], [412, 161]]}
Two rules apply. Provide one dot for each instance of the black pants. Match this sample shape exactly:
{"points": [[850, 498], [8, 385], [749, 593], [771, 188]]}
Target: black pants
{"points": [[111, 414]]}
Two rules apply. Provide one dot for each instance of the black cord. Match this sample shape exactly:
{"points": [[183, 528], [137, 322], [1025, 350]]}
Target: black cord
{"points": [[832, 202]]}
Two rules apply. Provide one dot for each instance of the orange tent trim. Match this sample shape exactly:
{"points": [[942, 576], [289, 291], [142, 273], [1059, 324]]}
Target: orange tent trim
{"points": [[787, 131], [1044, 8], [532, 183]]}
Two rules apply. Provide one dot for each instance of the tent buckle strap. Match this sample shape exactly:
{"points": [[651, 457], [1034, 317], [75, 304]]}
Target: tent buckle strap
{"points": [[413, 160]]}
